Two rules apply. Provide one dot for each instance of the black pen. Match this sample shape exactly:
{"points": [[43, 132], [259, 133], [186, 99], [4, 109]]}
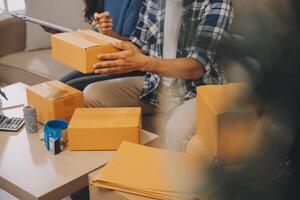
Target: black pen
{"points": [[3, 94]]}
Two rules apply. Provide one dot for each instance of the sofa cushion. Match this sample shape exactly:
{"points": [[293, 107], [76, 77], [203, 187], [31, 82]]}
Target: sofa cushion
{"points": [[12, 34], [37, 62], [67, 13]]}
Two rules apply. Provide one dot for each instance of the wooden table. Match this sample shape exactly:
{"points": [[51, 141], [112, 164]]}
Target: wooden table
{"points": [[29, 172]]}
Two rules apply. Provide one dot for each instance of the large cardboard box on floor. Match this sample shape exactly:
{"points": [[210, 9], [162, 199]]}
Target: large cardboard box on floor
{"points": [[104, 128], [79, 49], [54, 100], [225, 121]]}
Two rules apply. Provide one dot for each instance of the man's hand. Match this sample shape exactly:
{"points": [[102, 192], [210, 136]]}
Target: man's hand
{"points": [[128, 60], [131, 59]]}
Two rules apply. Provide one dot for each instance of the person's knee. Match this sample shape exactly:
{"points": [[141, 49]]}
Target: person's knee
{"points": [[176, 135], [113, 93], [93, 95], [173, 137], [103, 94]]}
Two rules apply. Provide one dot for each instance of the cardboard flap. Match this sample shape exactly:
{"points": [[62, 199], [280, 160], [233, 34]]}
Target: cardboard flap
{"points": [[225, 98], [86, 38], [106, 117], [53, 90], [98, 36]]}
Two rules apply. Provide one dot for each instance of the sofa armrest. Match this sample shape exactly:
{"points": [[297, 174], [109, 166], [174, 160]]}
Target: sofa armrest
{"points": [[12, 35]]}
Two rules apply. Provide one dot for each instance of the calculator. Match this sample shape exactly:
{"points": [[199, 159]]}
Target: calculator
{"points": [[13, 124]]}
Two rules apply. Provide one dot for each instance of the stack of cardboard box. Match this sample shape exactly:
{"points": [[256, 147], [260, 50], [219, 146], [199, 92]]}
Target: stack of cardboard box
{"points": [[89, 128], [154, 173]]}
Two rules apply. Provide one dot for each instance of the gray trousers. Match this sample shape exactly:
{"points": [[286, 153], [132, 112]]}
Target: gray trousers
{"points": [[175, 123]]}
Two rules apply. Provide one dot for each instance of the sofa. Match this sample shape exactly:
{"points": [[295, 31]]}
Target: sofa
{"points": [[17, 65], [252, 19]]}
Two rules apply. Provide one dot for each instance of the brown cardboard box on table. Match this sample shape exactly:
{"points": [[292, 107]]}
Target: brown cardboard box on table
{"points": [[54, 100], [79, 49], [224, 123], [104, 128]]}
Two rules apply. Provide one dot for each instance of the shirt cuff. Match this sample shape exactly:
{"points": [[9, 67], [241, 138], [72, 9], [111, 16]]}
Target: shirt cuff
{"points": [[203, 60], [141, 45]]}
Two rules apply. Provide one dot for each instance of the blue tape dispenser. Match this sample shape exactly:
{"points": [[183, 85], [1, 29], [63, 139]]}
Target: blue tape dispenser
{"points": [[53, 135]]}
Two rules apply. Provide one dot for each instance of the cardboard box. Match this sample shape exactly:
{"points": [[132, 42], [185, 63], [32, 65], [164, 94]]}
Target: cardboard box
{"points": [[104, 128], [80, 49], [225, 122], [54, 100]]}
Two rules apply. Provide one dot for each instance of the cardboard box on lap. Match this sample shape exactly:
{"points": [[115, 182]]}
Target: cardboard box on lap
{"points": [[79, 49]]}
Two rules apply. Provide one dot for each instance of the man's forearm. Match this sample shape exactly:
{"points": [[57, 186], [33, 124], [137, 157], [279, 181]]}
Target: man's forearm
{"points": [[131, 58], [183, 68]]}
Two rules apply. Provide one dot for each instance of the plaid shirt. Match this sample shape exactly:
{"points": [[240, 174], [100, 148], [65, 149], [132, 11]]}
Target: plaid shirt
{"points": [[204, 23]]}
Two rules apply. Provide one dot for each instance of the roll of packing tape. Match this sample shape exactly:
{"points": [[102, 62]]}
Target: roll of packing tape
{"points": [[30, 118]]}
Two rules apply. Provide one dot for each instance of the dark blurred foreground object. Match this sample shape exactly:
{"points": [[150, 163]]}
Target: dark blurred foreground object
{"points": [[263, 50], [239, 66]]}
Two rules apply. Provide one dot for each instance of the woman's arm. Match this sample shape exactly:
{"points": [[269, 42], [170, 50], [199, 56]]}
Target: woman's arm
{"points": [[104, 23]]}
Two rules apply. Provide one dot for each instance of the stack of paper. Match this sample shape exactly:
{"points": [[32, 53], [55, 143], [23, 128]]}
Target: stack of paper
{"points": [[154, 173]]}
